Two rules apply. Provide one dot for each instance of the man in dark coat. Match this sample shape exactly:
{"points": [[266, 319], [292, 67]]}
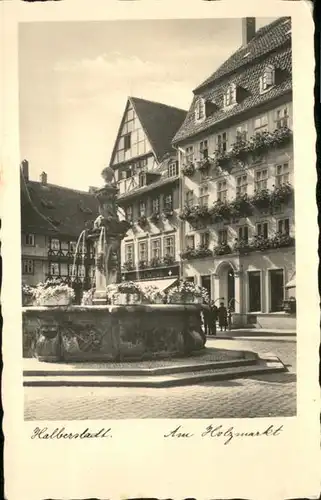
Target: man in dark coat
{"points": [[213, 318], [222, 317]]}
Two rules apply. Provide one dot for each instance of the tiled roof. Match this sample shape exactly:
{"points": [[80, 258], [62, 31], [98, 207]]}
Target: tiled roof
{"points": [[248, 79], [266, 40], [51, 209], [160, 122]]}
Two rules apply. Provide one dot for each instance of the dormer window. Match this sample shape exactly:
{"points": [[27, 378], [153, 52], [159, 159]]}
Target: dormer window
{"points": [[200, 110], [267, 80], [230, 96]]}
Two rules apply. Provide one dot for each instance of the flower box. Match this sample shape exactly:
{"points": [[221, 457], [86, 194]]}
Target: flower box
{"points": [[58, 300], [188, 170], [142, 221], [53, 293]]}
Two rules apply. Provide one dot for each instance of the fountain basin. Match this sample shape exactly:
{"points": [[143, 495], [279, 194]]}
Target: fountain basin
{"points": [[112, 332]]}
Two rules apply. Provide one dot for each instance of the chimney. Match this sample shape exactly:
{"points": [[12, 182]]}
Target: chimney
{"points": [[25, 169], [248, 30], [43, 178]]}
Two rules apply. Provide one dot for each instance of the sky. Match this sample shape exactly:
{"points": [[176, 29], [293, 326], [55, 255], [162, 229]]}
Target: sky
{"points": [[75, 77]]}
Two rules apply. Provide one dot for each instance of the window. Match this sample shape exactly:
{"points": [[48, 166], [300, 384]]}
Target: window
{"points": [[155, 204], [189, 154], [54, 269], [169, 246], [142, 179], [205, 239], [241, 133], [230, 95], [129, 213], [189, 198], [129, 252], [200, 109], [142, 208], [190, 241], [203, 149], [267, 80], [222, 142], [173, 169], [282, 174], [222, 191], [262, 229], [156, 248], [276, 290], [127, 142], [27, 266], [64, 247], [284, 226], [30, 240], [168, 201], [142, 250], [243, 233], [261, 178], [261, 124], [241, 185], [72, 246], [222, 236], [81, 271], [54, 244], [203, 197], [63, 269], [72, 270], [254, 291], [282, 118]]}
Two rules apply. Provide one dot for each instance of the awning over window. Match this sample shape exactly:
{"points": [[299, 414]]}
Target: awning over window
{"points": [[162, 285], [291, 284]]}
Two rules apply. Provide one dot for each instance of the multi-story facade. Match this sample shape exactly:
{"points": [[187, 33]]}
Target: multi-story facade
{"points": [[236, 161], [52, 219], [147, 174]]}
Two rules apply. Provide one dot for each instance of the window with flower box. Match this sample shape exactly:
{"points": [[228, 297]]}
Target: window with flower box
{"points": [[200, 109], [173, 169], [142, 251], [261, 124], [27, 266], [260, 180], [203, 149], [281, 118], [243, 233], [203, 196], [156, 248], [283, 226], [267, 80], [282, 174], [129, 213], [54, 268], [205, 239], [222, 142], [168, 202], [262, 229], [155, 204], [189, 154], [129, 252], [222, 191], [169, 246], [222, 237], [190, 241], [241, 185], [241, 133], [142, 208], [29, 240], [230, 96], [189, 198]]}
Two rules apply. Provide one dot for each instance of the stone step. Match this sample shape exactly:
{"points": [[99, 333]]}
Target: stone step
{"points": [[270, 364]]}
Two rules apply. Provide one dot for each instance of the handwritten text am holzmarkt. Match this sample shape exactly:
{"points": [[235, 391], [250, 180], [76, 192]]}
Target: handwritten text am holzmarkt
{"points": [[225, 433]]}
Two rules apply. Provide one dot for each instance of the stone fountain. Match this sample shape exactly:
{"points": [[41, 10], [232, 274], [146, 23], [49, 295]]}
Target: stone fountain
{"points": [[104, 332]]}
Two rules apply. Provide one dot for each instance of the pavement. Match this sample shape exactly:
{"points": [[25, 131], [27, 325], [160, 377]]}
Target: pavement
{"points": [[271, 395]]}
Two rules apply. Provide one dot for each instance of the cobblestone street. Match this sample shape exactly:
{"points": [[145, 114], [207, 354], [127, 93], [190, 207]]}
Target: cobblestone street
{"points": [[258, 396]]}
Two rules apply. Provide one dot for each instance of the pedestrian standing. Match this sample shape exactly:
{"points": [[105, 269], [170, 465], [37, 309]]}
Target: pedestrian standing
{"points": [[222, 317], [213, 318], [206, 319]]}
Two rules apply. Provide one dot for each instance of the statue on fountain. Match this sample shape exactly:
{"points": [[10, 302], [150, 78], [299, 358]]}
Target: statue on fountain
{"points": [[107, 232]]}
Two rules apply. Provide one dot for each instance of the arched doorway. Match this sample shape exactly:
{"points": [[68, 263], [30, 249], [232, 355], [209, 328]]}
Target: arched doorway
{"points": [[227, 284]]}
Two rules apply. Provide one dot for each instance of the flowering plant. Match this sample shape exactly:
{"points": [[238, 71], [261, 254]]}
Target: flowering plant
{"points": [[155, 216], [128, 287], [52, 289], [167, 212], [152, 294], [142, 264], [142, 221], [128, 265], [261, 199], [185, 289], [203, 164], [281, 194], [188, 169], [222, 249], [168, 259], [242, 246], [196, 253], [221, 210], [87, 297], [241, 206], [28, 290], [155, 262]]}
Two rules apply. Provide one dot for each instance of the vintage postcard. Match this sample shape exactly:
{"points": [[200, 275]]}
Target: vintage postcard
{"points": [[159, 240]]}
